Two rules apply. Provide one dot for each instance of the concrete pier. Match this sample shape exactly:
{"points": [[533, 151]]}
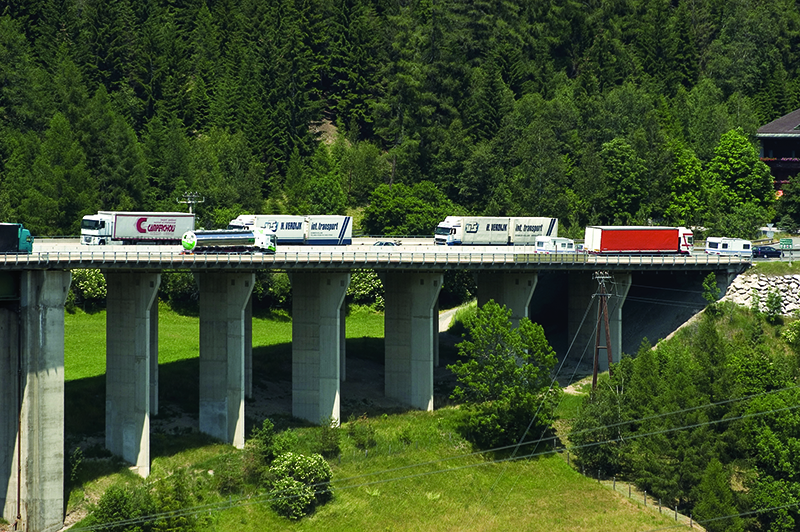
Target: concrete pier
{"points": [[248, 348], [131, 362], [409, 336], [514, 290], [223, 298], [582, 315], [317, 331], [32, 401], [154, 356]]}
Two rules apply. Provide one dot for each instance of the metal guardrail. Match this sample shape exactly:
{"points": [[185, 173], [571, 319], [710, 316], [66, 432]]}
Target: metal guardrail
{"points": [[429, 257]]}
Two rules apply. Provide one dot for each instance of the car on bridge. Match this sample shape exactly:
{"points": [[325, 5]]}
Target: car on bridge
{"points": [[766, 252]]}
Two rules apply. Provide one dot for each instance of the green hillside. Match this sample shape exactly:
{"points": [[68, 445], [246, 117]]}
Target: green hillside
{"points": [[592, 112], [420, 473]]}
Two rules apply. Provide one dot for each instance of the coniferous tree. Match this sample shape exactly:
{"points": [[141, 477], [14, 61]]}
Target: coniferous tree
{"points": [[60, 192], [115, 159]]}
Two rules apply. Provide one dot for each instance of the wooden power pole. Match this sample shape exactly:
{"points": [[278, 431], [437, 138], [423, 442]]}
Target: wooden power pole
{"points": [[602, 314]]}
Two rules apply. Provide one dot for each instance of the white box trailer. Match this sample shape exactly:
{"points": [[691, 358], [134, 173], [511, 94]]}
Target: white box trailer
{"points": [[292, 229], [127, 227], [493, 231]]}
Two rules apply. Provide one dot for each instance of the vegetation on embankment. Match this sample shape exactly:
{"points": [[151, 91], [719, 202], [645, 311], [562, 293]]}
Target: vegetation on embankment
{"points": [[707, 421]]}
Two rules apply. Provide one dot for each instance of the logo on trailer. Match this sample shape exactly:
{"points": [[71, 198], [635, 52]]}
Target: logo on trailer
{"points": [[272, 226], [471, 227], [154, 228], [497, 227]]}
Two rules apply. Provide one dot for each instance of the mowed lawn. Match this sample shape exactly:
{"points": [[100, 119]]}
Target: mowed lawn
{"points": [[179, 337]]}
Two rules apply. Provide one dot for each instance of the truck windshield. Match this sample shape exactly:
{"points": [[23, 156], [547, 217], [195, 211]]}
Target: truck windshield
{"points": [[92, 224], [442, 230]]}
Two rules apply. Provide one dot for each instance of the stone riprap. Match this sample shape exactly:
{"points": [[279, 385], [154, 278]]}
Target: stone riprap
{"points": [[788, 286]]}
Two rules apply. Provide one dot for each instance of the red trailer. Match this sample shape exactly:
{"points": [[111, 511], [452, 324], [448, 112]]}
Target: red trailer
{"points": [[638, 240]]}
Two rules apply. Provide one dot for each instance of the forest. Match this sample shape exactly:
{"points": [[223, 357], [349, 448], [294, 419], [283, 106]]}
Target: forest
{"points": [[613, 111], [706, 422]]}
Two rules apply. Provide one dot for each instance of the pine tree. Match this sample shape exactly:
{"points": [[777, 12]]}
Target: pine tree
{"points": [[715, 500], [62, 194]]}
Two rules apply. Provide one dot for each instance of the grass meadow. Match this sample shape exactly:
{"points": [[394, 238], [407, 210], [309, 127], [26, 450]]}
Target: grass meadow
{"points": [[420, 474]]}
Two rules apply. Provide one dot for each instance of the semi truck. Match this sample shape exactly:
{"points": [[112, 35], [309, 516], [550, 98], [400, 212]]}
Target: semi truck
{"points": [[493, 231], [14, 238], [638, 240], [322, 230], [123, 227]]}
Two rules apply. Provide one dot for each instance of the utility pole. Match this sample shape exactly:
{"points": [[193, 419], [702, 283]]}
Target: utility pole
{"points": [[602, 313], [191, 198]]}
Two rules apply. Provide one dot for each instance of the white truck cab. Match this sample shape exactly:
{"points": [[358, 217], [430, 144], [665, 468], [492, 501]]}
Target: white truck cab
{"points": [[97, 230]]}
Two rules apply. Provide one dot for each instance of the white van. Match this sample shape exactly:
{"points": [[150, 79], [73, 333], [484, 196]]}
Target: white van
{"points": [[722, 245]]}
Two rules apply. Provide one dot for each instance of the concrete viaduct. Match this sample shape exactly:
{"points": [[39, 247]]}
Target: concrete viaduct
{"points": [[33, 290]]}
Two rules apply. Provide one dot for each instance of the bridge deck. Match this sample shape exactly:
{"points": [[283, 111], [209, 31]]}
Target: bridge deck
{"points": [[415, 258]]}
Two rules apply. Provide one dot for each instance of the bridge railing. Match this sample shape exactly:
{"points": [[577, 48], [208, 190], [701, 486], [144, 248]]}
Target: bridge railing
{"points": [[347, 257]]}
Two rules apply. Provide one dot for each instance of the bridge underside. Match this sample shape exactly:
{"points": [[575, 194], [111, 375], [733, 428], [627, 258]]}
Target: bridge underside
{"points": [[654, 305], [648, 303]]}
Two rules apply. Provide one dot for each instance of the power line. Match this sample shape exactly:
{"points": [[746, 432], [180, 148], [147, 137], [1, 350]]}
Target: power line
{"points": [[742, 514], [270, 497]]}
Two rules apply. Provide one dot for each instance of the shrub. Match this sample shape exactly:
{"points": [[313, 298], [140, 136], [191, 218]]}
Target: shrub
{"points": [[262, 441], [503, 422], [328, 438], [366, 289], [285, 442], [361, 431], [301, 482], [310, 470], [88, 287], [228, 475], [290, 498], [774, 305], [122, 504], [179, 289]]}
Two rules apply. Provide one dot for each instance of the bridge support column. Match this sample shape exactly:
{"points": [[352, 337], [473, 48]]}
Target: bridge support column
{"points": [[248, 348], [317, 331], [223, 298], [154, 356], [582, 323], [409, 336], [343, 342], [514, 290], [32, 402], [129, 365]]}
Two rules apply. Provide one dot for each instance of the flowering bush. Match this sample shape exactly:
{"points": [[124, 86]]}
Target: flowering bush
{"points": [[301, 482], [366, 289], [291, 498]]}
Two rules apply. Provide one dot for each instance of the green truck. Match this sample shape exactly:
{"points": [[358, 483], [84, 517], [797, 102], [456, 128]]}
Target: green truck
{"points": [[14, 238]]}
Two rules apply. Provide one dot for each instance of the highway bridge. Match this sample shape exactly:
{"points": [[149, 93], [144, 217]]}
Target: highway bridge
{"points": [[556, 290]]}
